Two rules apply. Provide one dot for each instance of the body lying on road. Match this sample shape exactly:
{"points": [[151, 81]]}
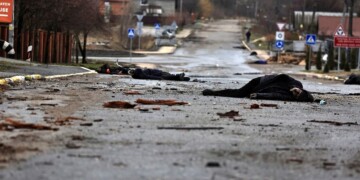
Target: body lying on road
{"points": [[138, 73], [353, 79], [268, 87], [156, 74], [107, 69]]}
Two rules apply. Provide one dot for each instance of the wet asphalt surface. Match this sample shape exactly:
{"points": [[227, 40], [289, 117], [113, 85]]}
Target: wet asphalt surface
{"points": [[288, 141]]}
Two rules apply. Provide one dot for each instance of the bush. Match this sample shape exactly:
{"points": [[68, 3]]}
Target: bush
{"points": [[318, 59], [354, 59], [326, 68], [330, 59]]}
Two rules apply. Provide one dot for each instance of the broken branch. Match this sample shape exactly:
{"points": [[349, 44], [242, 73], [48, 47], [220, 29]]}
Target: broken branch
{"points": [[336, 123], [160, 102]]}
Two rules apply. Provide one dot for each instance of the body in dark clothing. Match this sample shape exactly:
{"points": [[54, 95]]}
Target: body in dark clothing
{"points": [[270, 87], [107, 69], [156, 74], [353, 79]]}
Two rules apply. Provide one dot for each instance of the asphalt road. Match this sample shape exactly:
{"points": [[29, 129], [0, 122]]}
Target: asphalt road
{"points": [[290, 141]]}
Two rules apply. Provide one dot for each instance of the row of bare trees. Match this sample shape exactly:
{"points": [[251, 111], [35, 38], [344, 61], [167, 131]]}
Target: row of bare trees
{"points": [[73, 17]]}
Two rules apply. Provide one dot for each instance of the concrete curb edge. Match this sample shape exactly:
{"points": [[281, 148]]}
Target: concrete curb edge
{"points": [[21, 79]]}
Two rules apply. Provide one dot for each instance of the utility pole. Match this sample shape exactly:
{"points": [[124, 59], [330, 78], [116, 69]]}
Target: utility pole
{"points": [[256, 8], [350, 5], [181, 9]]}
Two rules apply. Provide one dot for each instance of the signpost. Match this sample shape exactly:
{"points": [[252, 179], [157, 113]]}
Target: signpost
{"points": [[279, 37], [131, 35], [310, 40], [157, 34], [139, 27], [339, 33], [279, 44]]}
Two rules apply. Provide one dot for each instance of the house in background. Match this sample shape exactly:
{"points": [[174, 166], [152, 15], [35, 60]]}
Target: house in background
{"points": [[168, 7], [298, 17], [113, 9], [328, 25]]}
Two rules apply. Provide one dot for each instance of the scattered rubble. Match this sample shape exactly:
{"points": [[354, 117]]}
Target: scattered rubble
{"points": [[160, 102], [119, 104], [230, 114], [190, 128], [335, 123], [10, 124]]}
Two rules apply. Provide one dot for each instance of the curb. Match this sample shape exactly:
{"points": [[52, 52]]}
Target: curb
{"points": [[21, 79], [319, 76]]}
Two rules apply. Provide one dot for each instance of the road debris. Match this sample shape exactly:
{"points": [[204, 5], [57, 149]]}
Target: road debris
{"points": [[269, 105], [169, 102], [255, 106], [9, 124], [86, 124], [213, 164], [230, 114], [132, 93], [66, 121], [119, 104], [191, 128], [297, 160], [336, 123]]}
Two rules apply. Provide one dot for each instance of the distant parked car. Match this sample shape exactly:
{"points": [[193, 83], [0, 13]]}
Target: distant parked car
{"points": [[168, 33]]}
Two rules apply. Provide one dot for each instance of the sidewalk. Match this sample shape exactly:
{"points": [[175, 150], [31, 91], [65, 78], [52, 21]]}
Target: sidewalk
{"points": [[19, 71]]}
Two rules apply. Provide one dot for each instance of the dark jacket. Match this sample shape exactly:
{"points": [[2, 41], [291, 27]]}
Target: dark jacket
{"points": [[270, 87], [277, 87], [353, 79], [147, 74]]}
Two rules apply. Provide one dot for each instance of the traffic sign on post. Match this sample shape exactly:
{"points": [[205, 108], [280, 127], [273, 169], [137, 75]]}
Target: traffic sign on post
{"points": [[280, 25], [310, 39], [131, 33], [340, 31], [157, 26], [279, 44], [280, 36]]}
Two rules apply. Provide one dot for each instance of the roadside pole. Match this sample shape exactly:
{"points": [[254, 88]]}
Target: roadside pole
{"points": [[359, 58], [140, 25], [279, 37], [310, 41], [157, 34], [131, 35], [339, 59]]}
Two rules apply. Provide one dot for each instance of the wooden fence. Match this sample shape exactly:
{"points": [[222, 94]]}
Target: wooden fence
{"points": [[40, 46], [44, 47]]}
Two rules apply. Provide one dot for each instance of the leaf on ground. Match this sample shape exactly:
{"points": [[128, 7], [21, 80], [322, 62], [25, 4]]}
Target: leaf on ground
{"points": [[66, 121], [230, 114], [132, 93], [22, 125], [255, 106]]}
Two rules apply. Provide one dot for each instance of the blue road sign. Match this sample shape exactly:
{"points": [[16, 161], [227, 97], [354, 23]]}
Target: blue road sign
{"points": [[279, 44], [157, 26], [310, 39], [131, 33]]}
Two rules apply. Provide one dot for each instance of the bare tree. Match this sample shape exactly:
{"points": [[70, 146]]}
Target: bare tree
{"points": [[82, 17], [206, 8]]}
